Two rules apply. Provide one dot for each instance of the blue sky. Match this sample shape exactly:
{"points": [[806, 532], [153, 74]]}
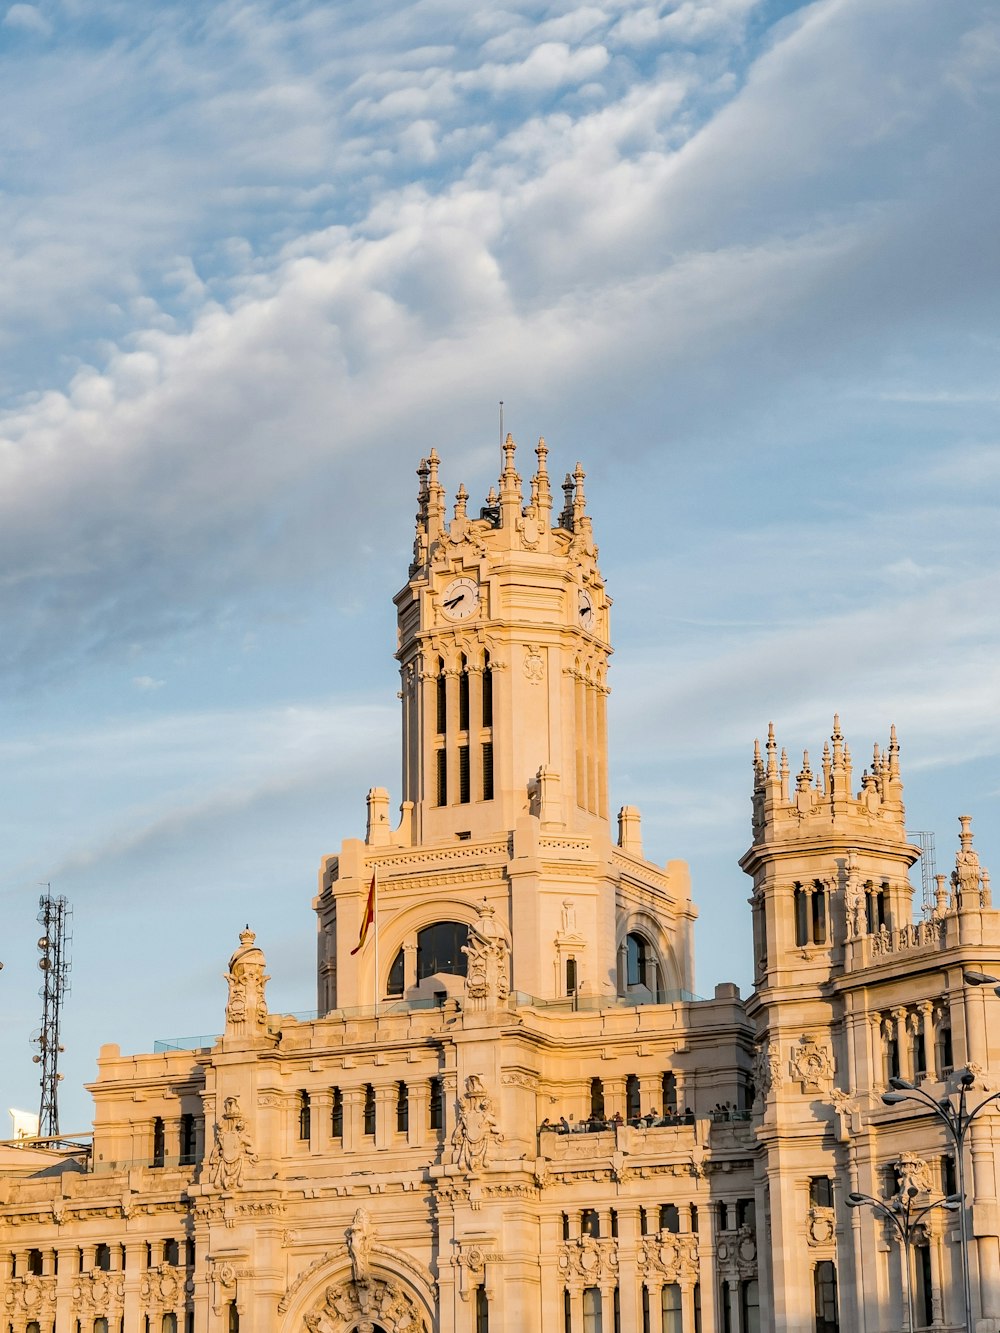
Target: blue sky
{"points": [[256, 259]]}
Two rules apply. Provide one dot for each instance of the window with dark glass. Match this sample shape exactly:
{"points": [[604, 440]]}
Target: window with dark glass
{"points": [[305, 1117], [592, 1310], [337, 1114], [394, 985], [159, 1142], [821, 1191], [187, 1138], [102, 1258], [464, 782], [487, 770], [482, 1311], [570, 976], [637, 956], [646, 1322], [924, 1288], [818, 914], [171, 1252], [596, 1099], [825, 1297], [749, 1306], [233, 1320], [35, 1262], [402, 1109], [632, 1097], [487, 693], [442, 700], [746, 1213], [670, 1302], [668, 1093], [439, 949], [801, 899], [463, 697], [435, 1104], [369, 1109], [590, 1223], [670, 1218], [949, 1176], [441, 759]]}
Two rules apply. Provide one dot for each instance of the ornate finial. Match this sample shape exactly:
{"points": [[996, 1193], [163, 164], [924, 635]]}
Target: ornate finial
{"points": [[541, 493], [510, 482], [893, 753], [461, 500], [566, 517], [804, 777], [492, 498], [247, 936], [772, 751]]}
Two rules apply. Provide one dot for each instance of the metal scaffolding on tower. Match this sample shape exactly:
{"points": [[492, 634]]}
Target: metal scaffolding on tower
{"points": [[54, 914]]}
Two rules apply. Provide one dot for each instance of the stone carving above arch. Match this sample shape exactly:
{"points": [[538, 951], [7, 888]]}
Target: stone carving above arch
{"points": [[361, 1306]]}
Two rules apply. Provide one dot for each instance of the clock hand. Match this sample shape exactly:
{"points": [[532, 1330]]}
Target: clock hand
{"points": [[455, 600]]}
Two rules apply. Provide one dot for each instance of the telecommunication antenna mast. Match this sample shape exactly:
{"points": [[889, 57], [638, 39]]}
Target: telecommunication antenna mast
{"points": [[54, 914]]}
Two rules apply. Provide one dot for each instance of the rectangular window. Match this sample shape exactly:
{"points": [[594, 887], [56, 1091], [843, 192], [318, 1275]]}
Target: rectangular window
{"points": [[369, 1109], [464, 787], [670, 1218], [463, 701], [947, 1060], [442, 777], [436, 1104], [487, 695], [592, 1313], [482, 1311], [750, 1306], [487, 770], [646, 1323], [818, 915], [801, 916], [402, 1109], [159, 1142], [305, 1117], [187, 1139], [726, 1308], [616, 1309], [442, 705], [337, 1114], [670, 1300], [668, 1094], [821, 1191], [171, 1252], [825, 1297], [919, 1055], [567, 1313], [949, 1176], [924, 1287], [697, 1307], [746, 1213]]}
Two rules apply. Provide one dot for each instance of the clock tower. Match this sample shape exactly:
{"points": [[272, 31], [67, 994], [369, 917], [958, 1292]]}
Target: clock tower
{"points": [[503, 648]]}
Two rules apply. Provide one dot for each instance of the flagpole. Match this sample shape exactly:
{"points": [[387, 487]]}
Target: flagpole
{"points": [[375, 928]]}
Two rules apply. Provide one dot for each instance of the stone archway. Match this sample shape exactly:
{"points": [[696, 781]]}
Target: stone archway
{"points": [[375, 1305]]}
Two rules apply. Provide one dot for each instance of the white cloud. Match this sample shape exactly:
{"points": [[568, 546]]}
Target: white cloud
{"points": [[29, 18]]}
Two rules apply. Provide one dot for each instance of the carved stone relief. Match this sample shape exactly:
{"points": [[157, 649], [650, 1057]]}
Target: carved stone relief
{"points": [[812, 1064], [477, 1129], [232, 1150]]}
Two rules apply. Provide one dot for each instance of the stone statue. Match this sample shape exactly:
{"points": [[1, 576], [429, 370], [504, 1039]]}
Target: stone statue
{"points": [[246, 1009], [477, 1126], [912, 1175], [232, 1149], [488, 952], [359, 1245]]}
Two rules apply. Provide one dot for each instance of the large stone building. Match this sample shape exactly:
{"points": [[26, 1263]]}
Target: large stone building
{"points": [[402, 1164]]}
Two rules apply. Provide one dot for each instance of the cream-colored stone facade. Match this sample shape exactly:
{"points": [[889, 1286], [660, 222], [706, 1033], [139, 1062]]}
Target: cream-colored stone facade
{"points": [[401, 1164]]}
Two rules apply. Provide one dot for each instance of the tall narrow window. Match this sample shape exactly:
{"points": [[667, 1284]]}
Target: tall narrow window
{"points": [[402, 1109], [726, 1307], [818, 914], [337, 1114], [646, 1323], [441, 696], [463, 696], [233, 1321], [697, 1307], [592, 1313], [671, 1307], [570, 976], [668, 1093], [670, 1219], [632, 1097], [369, 1109], [919, 1054], [482, 1311], [567, 1313], [821, 1191], [616, 1310], [487, 770], [464, 783], [102, 1258], [637, 955], [924, 1286], [487, 693], [305, 1117], [394, 985], [596, 1099], [187, 1139], [590, 1223], [435, 1104], [168, 1324], [159, 1142], [825, 1297], [35, 1263], [801, 916], [750, 1306], [441, 759], [171, 1252]]}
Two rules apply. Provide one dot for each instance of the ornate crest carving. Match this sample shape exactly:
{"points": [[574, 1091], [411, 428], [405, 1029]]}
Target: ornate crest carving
{"points": [[488, 952], [912, 1174], [232, 1149], [246, 1009], [477, 1128], [589, 1260], [669, 1256], [362, 1307], [360, 1236], [812, 1064]]}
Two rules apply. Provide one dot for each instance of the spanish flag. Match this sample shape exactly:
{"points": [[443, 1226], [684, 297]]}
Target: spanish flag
{"points": [[368, 918]]}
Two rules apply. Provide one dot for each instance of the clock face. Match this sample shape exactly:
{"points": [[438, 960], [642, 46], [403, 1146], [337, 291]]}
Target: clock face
{"points": [[585, 609], [460, 599]]}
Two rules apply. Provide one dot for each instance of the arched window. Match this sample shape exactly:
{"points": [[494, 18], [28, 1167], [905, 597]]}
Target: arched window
{"points": [[394, 986], [638, 956], [439, 949]]}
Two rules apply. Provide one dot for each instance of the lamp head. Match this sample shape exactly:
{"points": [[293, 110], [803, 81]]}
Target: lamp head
{"points": [[894, 1098], [902, 1085], [967, 1079], [979, 979], [855, 1200]]}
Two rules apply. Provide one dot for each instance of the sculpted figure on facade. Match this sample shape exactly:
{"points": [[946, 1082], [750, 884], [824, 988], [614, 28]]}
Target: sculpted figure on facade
{"points": [[246, 1009], [488, 954], [232, 1149], [360, 1237], [912, 1176], [362, 1309], [477, 1128]]}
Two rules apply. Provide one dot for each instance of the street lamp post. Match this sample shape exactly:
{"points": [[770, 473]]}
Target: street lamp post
{"points": [[957, 1121], [901, 1214]]}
